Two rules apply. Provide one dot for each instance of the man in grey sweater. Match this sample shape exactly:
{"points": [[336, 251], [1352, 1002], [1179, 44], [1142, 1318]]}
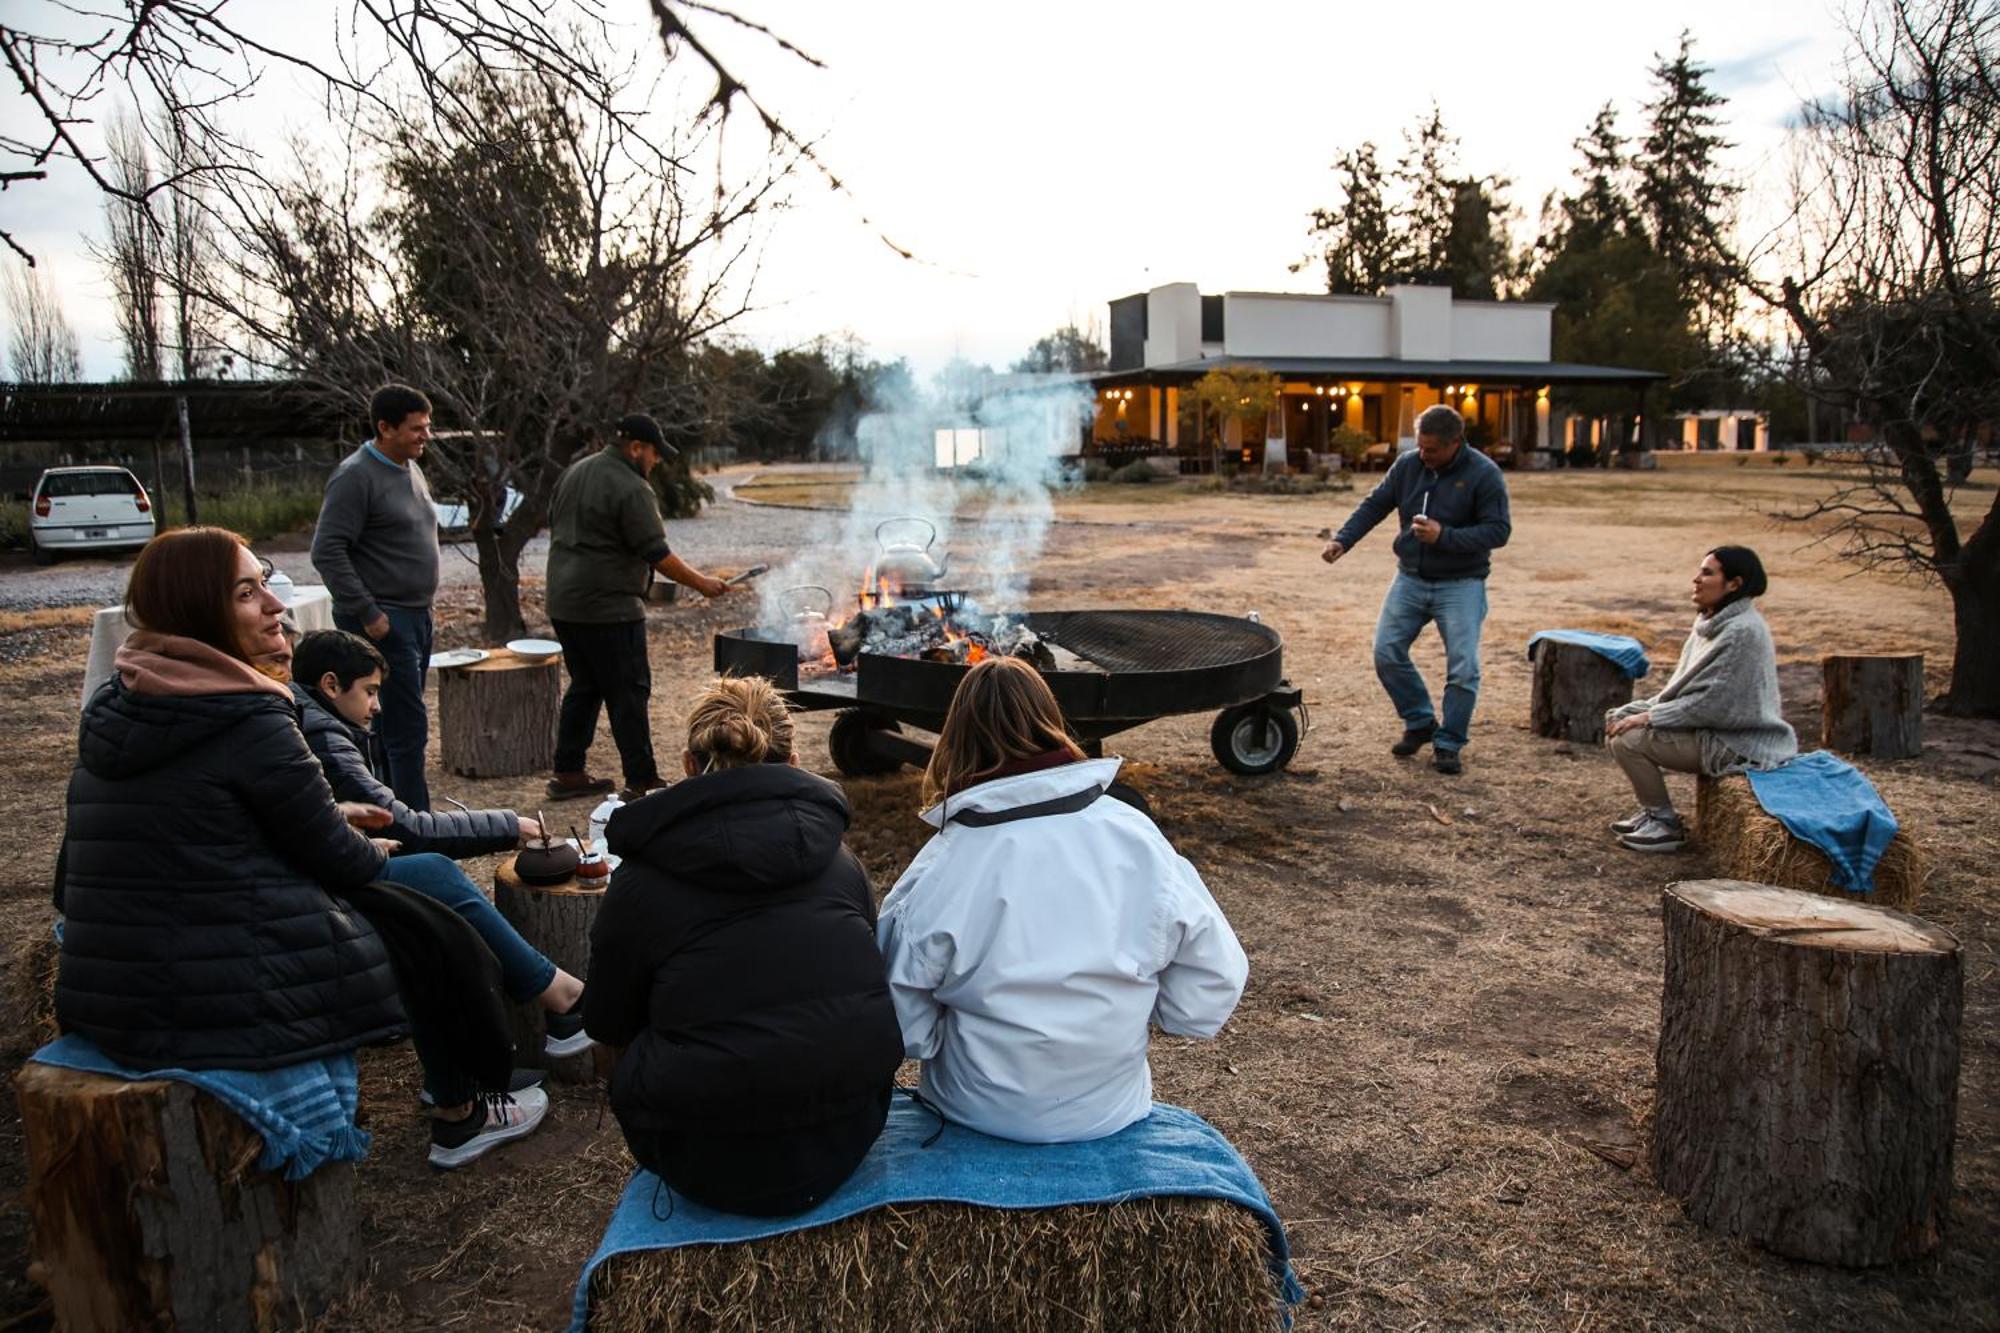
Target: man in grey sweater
{"points": [[376, 547]]}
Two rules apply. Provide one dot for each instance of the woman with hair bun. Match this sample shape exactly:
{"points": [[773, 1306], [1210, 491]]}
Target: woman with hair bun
{"points": [[736, 993], [1718, 713]]}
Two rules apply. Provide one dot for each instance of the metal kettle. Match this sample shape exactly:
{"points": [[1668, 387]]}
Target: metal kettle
{"points": [[806, 607], [904, 564]]}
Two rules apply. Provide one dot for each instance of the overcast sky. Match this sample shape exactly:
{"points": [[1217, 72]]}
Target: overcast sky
{"points": [[1040, 159]]}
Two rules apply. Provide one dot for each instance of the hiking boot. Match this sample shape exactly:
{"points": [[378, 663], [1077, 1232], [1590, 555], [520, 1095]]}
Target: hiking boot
{"points": [[1446, 761], [1658, 834], [1415, 739], [631, 794], [521, 1081], [576, 786], [497, 1118], [1631, 823], [563, 1034]]}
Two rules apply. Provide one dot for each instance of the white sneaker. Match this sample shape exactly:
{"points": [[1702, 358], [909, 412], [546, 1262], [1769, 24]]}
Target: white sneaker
{"points": [[1656, 835], [1631, 823], [497, 1118]]}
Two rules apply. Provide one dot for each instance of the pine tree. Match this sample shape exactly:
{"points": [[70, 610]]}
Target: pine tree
{"points": [[1683, 198], [1355, 242], [1602, 207], [1426, 180]]}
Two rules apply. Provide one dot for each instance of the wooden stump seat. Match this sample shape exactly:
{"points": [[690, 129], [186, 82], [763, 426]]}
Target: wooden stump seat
{"points": [[1873, 704], [497, 718], [1807, 1072], [555, 919], [147, 1211], [1573, 688]]}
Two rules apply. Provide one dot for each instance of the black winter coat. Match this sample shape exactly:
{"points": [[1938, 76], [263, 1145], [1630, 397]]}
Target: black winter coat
{"points": [[349, 756], [201, 846], [734, 958]]}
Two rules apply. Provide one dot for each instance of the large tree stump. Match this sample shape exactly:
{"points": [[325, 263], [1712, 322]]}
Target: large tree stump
{"points": [[1873, 704], [556, 920], [497, 718], [1573, 689], [147, 1211], [1808, 1071]]}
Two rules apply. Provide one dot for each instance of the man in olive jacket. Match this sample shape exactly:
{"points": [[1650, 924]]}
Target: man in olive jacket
{"points": [[1452, 503], [605, 536]]}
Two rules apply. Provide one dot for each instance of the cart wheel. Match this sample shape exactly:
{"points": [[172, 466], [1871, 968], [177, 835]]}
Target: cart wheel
{"points": [[848, 744], [1254, 738]]}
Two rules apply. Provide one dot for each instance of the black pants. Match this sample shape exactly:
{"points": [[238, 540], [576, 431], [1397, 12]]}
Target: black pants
{"points": [[608, 669]]}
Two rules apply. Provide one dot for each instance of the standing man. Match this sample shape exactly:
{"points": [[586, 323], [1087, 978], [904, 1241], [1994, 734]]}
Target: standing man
{"points": [[376, 547], [605, 535], [1453, 501]]}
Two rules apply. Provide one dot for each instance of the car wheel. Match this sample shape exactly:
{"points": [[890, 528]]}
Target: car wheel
{"points": [[42, 554]]}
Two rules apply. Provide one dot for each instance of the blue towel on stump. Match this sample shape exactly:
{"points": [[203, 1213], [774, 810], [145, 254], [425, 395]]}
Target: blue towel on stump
{"points": [[1621, 650], [1171, 1151], [303, 1112], [1822, 799]]}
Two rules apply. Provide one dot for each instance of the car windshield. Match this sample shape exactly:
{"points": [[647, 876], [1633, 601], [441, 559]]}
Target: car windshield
{"points": [[68, 485]]}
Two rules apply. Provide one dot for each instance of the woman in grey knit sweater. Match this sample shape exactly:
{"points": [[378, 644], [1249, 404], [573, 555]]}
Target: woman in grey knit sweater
{"points": [[1719, 711]]}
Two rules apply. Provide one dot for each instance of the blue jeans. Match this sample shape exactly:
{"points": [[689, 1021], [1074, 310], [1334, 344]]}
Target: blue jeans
{"points": [[1458, 606], [524, 972], [405, 726]]}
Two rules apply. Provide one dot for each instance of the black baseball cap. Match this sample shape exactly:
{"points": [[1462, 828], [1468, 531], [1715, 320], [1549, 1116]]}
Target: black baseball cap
{"points": [[641, 427]]}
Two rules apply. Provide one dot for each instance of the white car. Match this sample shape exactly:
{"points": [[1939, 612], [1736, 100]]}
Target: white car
{"points": [[455, 516], [88, 509]]}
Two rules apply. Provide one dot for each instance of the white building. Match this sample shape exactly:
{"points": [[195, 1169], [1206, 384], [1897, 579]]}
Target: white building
{"points": [[1369, 363]]}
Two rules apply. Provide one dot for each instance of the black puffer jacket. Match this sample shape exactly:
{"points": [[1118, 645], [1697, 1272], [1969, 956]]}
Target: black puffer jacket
{"points": [[348, 755], [734, 958], [201, 845]]}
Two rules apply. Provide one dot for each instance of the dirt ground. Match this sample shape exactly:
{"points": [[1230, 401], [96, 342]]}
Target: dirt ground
{"points": [[1442, 1067]]}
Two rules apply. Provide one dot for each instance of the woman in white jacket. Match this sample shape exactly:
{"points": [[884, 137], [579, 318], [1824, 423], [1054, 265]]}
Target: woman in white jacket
{"points": [[1043, 927]]}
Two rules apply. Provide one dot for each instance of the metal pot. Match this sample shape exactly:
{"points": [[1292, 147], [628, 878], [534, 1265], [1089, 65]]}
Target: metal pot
{"points": [[904, 563]]}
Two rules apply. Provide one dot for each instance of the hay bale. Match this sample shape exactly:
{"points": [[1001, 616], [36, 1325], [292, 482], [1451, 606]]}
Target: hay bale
{"points": [[31, 989], [1158, 1263], [1746, 843]]}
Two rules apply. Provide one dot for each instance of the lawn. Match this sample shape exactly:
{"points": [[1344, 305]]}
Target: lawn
{"points": [[1442, 1067]]}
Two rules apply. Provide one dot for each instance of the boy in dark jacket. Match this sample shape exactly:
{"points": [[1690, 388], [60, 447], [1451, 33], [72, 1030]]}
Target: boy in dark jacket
{"points": [[337, 682]]}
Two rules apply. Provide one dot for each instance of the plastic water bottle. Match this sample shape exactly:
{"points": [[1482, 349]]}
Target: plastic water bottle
{"points": [[600, 817]]}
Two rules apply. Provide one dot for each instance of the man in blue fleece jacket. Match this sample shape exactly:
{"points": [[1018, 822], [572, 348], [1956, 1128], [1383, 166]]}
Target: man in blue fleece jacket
{"points": [[1453, 505]]}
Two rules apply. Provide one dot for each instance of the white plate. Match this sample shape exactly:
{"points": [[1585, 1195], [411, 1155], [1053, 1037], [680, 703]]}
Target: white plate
{"points": [[534, 647], [456, 657]]}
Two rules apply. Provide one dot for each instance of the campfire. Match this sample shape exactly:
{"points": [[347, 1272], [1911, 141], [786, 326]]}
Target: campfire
{"points": [[934, 625]]}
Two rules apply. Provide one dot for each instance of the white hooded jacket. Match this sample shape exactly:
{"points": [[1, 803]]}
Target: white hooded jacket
{"points": [[1033, 939]]}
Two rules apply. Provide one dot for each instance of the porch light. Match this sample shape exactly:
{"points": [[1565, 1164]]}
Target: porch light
{"points": [[1354, 391], [1542, 394]]}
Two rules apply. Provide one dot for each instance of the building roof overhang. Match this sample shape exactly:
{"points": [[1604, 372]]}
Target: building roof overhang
{"points": [[1526, 373]]}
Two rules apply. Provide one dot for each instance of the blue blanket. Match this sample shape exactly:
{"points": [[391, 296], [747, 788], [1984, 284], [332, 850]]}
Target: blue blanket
{"points": [[303, 1112], [1171, 1151], [1621, 650], [1822, 799]]}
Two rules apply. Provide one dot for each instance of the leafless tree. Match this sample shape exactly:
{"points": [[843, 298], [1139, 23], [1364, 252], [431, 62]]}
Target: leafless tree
{"points": [[41, 345], [1892, 284], [131, 252]]}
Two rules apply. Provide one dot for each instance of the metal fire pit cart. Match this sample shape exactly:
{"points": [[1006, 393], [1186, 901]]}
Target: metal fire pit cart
{"points": [[1153, 664]]}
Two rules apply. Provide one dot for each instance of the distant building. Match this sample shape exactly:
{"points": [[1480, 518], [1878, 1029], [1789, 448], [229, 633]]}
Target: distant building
{"points": [[1727, 429], [1369, 363]]}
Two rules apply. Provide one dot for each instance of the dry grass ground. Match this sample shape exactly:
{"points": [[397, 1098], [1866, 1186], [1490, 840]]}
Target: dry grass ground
{"points": [[1442, 1068]]}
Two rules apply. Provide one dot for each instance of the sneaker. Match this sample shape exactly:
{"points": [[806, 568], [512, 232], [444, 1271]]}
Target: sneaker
{"points": [[1415, 739], [1632, 822], [522, 1080], [576, 786], [1446, 761], [497, 1118], [631, 794], [1657, 834], [563, 1034]]}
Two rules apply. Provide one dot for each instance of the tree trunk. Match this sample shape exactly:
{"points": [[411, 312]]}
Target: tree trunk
{"points": [[187, 459], [1573, 687], [1873, 704], [1807, 1079], [147, 1212], [555, 919], [497, 718], [1975, 612]]}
